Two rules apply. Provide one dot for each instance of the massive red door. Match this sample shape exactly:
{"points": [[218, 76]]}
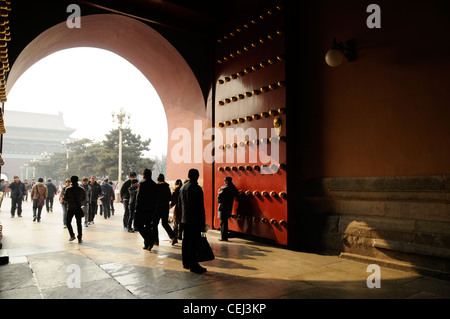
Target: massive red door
{"points": [[249, 117]]}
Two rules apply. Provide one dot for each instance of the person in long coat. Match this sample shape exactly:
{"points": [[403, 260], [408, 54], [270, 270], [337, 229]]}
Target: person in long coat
{"points": [[145, 209], [193, 220]]}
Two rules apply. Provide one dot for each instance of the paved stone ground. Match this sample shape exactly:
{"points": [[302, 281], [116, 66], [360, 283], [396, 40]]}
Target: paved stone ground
{"points": [[112, 265]]}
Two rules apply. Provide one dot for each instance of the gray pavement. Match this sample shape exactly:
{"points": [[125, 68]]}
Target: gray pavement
{"points": [[111, 264]]}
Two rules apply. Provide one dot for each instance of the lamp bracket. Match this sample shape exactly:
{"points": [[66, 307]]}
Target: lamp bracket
{"points": [[348, 48]]}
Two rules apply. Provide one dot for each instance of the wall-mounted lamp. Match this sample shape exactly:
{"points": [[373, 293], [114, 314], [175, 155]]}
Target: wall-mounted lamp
{"points": [[340, 51]]}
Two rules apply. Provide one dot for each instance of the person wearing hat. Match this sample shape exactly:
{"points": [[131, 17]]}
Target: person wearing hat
{"points": [[225, 200]]}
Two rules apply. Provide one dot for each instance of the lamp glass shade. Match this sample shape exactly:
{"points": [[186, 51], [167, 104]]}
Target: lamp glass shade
{"points": [[334, 57]]}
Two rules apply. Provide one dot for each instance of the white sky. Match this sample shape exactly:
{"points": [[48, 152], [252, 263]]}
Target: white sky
{"points": [[87, 85]]}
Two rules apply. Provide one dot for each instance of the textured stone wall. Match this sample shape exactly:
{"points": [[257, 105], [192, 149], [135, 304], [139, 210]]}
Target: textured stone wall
{"points": [[400, 218]]}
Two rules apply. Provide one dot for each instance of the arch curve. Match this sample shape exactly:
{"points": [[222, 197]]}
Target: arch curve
{"points": [[143, 47]]}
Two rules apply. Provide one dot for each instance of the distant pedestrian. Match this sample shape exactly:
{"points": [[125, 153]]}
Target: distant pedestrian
{"points": [[7, 190], [28, 188], [125, 198], [96, 191], [193, 221], [100, 199], [75, 196], [132, 190], [52, 191], [38, 195], [2, 190], [225, 199], [85, 205], [145, 209], [163, 197], [113, 197], [177, 210], [17, 194], [64, 202], [108, 193]]}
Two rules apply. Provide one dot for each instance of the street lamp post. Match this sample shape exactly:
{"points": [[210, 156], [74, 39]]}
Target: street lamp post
{"points": [[66, 144], [121, 118]]}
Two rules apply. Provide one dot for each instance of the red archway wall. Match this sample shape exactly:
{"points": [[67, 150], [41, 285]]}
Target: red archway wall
{"points": [[148, 51]]}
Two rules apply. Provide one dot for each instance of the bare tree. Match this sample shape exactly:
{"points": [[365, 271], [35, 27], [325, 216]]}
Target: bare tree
{"points": [[160, 165]]}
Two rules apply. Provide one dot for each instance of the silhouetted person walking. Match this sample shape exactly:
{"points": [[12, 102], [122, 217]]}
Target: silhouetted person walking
{"points": [[145, 209], [193, 221], [163, 197], [75, 196]]}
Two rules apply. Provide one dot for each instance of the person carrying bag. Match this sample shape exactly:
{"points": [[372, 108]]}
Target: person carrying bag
{"points": [[205, 252]]}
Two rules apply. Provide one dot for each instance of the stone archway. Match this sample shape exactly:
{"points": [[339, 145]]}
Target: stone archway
{"points": [[148, 51]]}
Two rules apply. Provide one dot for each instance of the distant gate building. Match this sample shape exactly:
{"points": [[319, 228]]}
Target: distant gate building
{"points": [[31, 136]]}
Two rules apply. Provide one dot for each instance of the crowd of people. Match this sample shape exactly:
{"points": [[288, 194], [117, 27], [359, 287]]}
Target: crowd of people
{"points": [[146, 204]]}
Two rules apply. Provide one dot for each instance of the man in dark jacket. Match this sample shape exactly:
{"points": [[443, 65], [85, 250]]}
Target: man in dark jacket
{"points": [[145, 209], [108, 192], [18, 191], [75, 197], [225, 200], [125, 198], [193, 221], [132, 209], [163, 197], [96, 191], [51, 188]]}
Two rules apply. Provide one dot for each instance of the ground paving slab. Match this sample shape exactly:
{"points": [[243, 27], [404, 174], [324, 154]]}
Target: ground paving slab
{"points": [[111, 264]]}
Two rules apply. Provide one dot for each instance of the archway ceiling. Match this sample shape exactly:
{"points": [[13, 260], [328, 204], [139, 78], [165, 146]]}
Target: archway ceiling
{"points": [[188, 25], [198, 18]]}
